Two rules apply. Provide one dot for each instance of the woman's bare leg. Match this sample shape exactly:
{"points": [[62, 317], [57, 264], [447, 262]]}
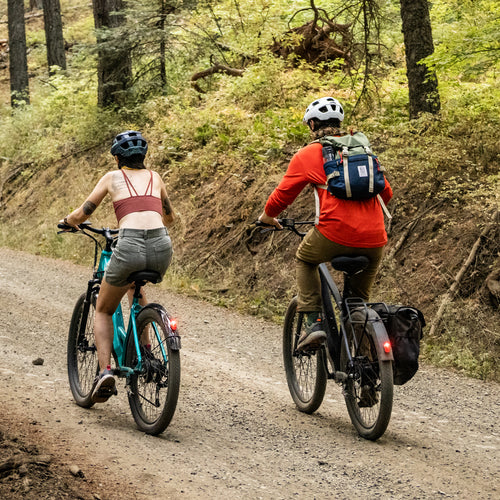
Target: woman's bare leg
{"points": [[107, 301]]}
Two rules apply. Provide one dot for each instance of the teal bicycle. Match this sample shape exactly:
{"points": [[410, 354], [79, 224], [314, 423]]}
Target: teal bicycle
{"points": [[145, 353]]}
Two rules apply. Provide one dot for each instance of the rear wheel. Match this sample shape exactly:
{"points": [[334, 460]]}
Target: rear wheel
{"points": [[81, 352], [305, 371], [369, 386], [154, 390]]}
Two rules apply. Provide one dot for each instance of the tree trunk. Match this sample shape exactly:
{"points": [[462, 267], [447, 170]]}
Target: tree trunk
{"points": [[417, 32], [161, 26], [18, 61], [54, 34], [114, 66]]}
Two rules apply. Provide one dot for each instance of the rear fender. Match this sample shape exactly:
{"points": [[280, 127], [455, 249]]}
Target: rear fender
{"points": [[173, 338], [381, 339]]}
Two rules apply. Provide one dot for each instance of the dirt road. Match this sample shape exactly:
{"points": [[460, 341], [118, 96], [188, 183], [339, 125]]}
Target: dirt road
{"points": [[236, 433]]}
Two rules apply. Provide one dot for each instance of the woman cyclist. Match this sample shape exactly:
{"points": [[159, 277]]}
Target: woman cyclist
{"points": [[344, 227], [143, 209]]}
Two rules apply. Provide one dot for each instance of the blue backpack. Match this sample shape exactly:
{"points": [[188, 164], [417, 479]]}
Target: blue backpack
{"points": [[353, 172]]}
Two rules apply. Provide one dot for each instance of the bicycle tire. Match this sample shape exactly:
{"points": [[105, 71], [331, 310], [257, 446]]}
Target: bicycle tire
{"points": [[369, 413], [305, 372], [82, 361], [153, 392]]}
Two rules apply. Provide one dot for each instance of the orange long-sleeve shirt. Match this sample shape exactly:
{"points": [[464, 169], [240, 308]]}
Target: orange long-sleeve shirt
{"points": [[357, 224]]}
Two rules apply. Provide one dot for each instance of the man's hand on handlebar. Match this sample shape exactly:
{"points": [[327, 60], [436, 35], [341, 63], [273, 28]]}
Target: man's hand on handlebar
{"points": [[271, 221]]}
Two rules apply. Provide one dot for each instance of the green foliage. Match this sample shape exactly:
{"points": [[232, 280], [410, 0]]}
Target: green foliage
{"points": [[63, 116], [467, 38]]}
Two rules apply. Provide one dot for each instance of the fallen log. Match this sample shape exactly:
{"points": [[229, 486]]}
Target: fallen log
{"points": [[448, 296], [216, 68]]}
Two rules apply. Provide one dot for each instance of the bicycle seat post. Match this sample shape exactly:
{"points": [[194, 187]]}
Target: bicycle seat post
{"points": [[137, 291]]}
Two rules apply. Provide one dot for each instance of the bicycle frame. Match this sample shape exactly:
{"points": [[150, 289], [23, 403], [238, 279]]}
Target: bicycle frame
{"points": [[334, 337], [120, 332]]}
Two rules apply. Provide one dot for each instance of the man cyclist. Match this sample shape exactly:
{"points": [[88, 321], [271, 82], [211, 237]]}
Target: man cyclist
{"points": [[344, 227], [143, 209]]}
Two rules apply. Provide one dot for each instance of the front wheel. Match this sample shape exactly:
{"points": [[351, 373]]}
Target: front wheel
{"points": [[154, 387], [368, 390], [81, 351], [305, 371]]}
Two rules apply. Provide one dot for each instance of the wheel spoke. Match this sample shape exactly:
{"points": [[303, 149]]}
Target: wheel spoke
{"points": [[154, 390], [368, 389], [305, 371], [82, 353]]}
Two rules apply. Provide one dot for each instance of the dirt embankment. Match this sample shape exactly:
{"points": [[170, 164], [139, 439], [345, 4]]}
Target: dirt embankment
{"points": [[236, 432]]}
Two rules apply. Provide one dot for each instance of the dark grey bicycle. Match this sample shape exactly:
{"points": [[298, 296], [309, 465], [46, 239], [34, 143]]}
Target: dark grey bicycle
{"points": [[358, 353]]}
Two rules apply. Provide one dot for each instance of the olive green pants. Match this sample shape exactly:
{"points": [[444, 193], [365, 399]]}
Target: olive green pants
{"points": [[315, 249]]}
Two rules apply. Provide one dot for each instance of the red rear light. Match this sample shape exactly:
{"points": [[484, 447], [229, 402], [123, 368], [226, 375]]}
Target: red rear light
{"points": [[387, 347], [173, 325]]}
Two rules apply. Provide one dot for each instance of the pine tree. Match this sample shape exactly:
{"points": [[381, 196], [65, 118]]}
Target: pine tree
{"points": [[417, 32], [18, 61], [54, 34]]}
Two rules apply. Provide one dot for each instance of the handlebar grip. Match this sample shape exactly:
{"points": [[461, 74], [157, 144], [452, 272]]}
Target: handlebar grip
{"points": [[264, 224], [66, 228]]}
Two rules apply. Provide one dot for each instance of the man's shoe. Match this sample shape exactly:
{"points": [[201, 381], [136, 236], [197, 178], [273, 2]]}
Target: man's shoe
{"points": [[313, 335], [105, 386], [368, 397]]}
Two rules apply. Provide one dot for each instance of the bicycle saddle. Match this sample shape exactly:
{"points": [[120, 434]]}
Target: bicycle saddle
{"points": [[350, 265], [146, 275]]}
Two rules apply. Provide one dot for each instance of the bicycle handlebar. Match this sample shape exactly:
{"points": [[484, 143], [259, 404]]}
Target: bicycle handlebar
{"points": [[86, 226], [289, 224]]}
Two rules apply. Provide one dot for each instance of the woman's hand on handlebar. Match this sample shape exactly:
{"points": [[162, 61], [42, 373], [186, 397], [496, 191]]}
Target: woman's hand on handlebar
{"points": [[271, 221], [65, 226]]}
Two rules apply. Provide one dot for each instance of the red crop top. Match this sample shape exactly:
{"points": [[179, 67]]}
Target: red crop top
{"points": [[136, 202]]}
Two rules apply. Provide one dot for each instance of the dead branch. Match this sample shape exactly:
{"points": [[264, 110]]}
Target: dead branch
{"points": [[448, 296], [314, 43], [410, 227], [216, 68], [27, 17]]}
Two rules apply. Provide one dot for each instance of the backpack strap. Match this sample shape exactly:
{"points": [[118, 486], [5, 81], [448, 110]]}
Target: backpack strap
{"points": [[345, 163], [384, 207], [316, 202]]}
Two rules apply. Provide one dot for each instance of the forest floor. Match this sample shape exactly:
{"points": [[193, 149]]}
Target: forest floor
{"points": [[236, 432]]}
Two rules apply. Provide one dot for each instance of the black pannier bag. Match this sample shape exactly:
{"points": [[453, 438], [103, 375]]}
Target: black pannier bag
{"points": [[404, 326]]}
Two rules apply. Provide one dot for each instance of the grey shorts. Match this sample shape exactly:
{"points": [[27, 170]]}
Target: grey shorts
{"points": [[138, 250]]}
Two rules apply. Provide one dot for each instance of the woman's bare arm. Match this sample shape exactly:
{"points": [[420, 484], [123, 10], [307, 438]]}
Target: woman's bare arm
{"points": [[168, 213]]}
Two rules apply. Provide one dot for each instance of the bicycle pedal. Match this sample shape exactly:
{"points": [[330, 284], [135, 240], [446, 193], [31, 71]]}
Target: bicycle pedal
{"points": [[309, 349]]}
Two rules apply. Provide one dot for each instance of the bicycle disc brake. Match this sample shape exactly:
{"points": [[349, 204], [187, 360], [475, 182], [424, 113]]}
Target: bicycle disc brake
{"points": [[153, 370]]}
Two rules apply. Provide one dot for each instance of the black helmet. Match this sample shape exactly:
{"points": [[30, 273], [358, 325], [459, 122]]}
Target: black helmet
{"points": [[129, 143]]}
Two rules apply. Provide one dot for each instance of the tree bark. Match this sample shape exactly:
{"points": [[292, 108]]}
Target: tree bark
{"points": [[18, 61], [161, 27], [54, 34], [417, 32], [114, 66]]}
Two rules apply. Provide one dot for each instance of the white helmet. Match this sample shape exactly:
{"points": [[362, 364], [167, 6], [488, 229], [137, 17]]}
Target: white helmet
{"points": [[323, 109]]}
